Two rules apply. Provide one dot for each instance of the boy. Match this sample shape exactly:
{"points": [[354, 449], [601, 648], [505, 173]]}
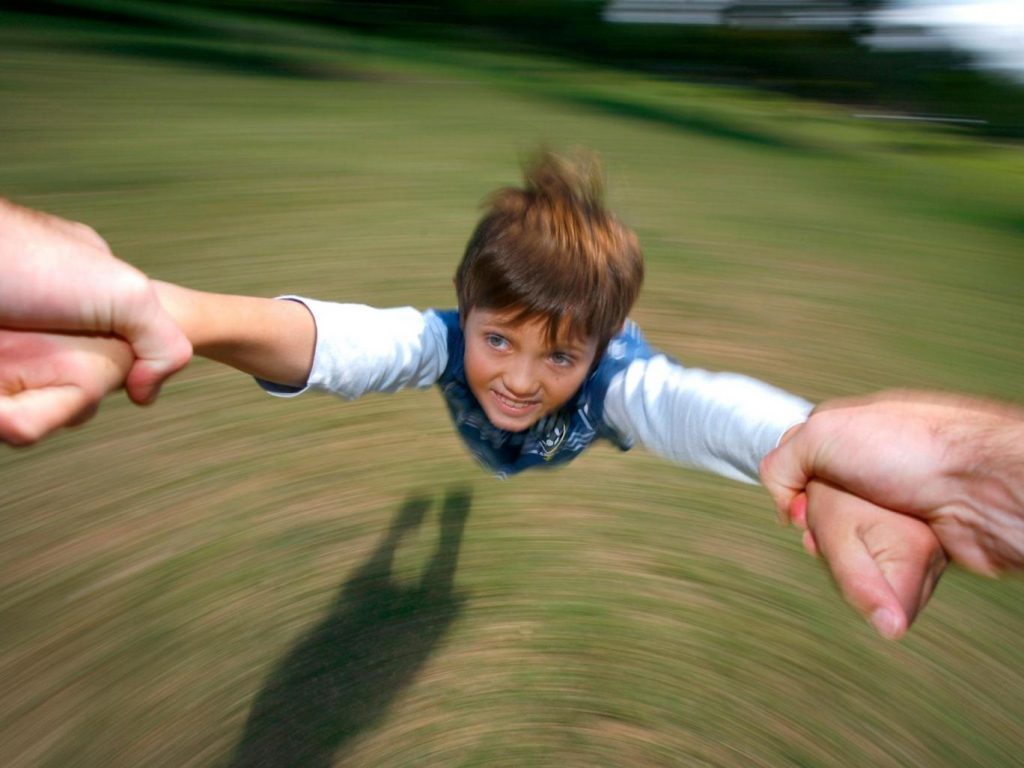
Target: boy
{"points": [[538, 361]]}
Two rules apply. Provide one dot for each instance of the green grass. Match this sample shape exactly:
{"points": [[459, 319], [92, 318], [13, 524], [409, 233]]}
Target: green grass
{"points": [[206, 581]]}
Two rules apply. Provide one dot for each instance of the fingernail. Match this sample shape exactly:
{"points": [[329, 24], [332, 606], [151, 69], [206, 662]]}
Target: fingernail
{"points": [[886, 623]]}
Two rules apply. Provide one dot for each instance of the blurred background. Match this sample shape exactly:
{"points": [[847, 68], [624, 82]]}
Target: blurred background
{"points": [[830, 196]]}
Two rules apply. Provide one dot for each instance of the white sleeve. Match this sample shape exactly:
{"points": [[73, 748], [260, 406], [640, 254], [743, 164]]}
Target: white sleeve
{"points": [[360, 349], [723, 422]]}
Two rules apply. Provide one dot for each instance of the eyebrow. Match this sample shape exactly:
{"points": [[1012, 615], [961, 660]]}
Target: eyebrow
{"points": [[503, 326], [574, 347]]}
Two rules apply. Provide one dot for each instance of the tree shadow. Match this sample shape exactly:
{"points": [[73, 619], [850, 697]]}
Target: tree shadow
{"points": [[703, 125], [241, 59], [234, 43], [340, 679]]}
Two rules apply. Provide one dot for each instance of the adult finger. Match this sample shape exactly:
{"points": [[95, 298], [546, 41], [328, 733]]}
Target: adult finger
{"points": [[857, 572], [27, 417], [914, 567], [810, 545], [867, 588]]}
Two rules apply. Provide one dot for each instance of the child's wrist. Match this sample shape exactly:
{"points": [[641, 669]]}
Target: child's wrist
{"points": [[180, 304]]}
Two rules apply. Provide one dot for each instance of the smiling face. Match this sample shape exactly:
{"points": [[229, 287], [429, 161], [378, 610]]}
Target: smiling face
{"points": [[514, 370]]}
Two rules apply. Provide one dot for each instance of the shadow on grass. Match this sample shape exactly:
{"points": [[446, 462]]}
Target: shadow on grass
{"points": [[340, 679], [146, 31], [214, 56], [692, 123]]}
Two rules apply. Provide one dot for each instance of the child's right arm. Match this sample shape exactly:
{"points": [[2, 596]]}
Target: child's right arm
{"points": [[271, 339], [346, 349]]}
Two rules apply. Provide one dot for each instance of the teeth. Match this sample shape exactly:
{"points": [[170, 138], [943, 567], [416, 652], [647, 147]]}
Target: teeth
{"points": [[517, 404]]}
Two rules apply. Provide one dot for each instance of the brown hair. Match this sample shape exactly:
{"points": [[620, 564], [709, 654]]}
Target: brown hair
{"points": [[551, 250]]}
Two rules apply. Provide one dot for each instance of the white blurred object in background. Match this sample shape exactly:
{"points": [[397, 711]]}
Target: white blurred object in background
{"points": [[991, 31], [783, 14]]}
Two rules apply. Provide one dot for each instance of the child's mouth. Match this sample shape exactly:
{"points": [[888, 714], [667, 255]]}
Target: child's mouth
{"points": [[515, 407]]}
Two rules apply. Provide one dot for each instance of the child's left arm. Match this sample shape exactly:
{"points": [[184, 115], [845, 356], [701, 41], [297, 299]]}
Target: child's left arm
{"points": [[886, 564], [722, 422], [48, 380]]}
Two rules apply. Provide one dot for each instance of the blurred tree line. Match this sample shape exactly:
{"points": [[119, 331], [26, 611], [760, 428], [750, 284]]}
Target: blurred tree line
{"points": [[823, 64]]}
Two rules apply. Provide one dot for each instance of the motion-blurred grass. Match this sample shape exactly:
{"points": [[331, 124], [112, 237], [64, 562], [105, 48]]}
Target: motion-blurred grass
{"points": [[226, 579]]}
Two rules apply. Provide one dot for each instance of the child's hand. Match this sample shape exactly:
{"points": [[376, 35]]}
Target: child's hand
{"points": [[50, 380], [886, 564]]}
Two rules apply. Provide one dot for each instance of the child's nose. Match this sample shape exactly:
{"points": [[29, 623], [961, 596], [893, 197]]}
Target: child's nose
{"points": [[520, 379]]}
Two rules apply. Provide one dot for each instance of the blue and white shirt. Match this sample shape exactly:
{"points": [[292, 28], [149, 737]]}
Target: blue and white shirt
{"points": [[555, 439], [722, 422]]}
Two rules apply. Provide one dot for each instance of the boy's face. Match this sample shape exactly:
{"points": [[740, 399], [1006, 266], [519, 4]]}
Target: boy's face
{"points": [[515, 373]]}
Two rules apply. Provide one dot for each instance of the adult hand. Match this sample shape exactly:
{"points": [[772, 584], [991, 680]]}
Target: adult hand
{"points": [[53, 380], [885, 564], [954, 462], [61, 276]]}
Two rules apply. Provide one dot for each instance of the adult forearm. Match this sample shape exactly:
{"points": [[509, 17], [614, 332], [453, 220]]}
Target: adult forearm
{"points": [[267, 338], [986, 453]]}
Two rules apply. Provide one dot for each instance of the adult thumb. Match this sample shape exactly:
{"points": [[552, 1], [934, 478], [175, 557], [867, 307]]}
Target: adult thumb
{"points": [[148, 373]]}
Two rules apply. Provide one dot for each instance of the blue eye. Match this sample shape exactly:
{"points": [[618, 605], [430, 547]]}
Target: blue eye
{"points": [[496, 340], [562, 360]]}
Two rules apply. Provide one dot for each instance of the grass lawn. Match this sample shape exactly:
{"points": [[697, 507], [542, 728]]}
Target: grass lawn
{"points": [[227, 579]]}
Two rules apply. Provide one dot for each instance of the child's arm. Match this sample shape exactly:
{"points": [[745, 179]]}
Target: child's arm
{"points": [[886, 564], [51, 380], [722, 422], [267, 338], [346, 349]]}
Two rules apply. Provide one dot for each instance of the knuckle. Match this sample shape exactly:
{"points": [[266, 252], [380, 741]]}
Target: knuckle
{"points": [[20, 432], [130, 284], [91, 236], [921, 535], [181, 354]]}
